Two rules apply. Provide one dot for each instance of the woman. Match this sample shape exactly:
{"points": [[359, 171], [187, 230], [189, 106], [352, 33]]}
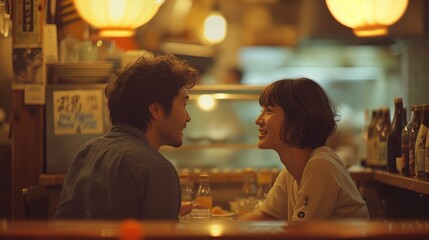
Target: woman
{"points": [[296, 119]]}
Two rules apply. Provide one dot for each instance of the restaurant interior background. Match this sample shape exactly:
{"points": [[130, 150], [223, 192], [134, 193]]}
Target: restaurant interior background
{"points": [[268, 40]]}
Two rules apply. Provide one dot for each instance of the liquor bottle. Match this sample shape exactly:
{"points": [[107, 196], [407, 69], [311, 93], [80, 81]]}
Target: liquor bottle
{"points": [[364, 139], [421, 142], [413, 137], [382, 129], [265, 178], [394, 137], [203, 211], [249, 188], [370, 147], [405, 145]]}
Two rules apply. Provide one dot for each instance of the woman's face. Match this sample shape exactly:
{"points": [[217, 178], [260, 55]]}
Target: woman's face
{"points": [[270, 123]]}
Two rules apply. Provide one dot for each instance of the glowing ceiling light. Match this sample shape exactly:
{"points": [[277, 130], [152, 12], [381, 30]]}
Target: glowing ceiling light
{"points": [[215, 27], [367, 17], [117, 18]]}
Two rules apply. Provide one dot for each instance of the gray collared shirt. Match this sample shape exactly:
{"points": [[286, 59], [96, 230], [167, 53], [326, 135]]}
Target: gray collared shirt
{"points": [[117, 176]]}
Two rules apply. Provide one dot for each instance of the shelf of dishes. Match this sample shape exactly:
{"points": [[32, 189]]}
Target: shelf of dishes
{"points": [[80, 72]]}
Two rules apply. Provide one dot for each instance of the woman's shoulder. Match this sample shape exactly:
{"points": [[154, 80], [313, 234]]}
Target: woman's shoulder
{"points": [[325, 160]]}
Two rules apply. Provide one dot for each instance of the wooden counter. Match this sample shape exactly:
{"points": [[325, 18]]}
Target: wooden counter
{"points": [[419, 185], [358, 174], [219, 230]]}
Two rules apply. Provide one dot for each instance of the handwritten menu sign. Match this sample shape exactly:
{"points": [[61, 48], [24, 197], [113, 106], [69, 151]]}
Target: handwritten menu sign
{"points": [[78, 112]]}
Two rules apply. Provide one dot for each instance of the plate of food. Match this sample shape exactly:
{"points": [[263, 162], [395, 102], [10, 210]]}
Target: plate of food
{"points": [[218, 213]]}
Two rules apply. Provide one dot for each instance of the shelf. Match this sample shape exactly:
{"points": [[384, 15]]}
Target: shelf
{"points": [[235, 146], [409, 183]]}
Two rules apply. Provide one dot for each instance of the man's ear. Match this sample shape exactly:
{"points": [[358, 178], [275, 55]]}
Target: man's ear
{"points": [[155, 110]]}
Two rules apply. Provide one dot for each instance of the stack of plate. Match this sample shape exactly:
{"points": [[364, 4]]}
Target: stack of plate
{"points": [[84, 72]]}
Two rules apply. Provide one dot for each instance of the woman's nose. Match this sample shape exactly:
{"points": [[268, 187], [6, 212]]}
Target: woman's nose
{"points": [[259, 119]]}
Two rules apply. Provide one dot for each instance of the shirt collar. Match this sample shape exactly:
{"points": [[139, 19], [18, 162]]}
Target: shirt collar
{"points": [[126, 128]]}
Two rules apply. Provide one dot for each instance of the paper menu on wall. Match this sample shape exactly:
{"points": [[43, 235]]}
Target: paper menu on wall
{"points": [[78, 112]]}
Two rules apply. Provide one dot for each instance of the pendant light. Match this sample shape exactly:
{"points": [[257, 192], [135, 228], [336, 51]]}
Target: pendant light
{"points": [[367, 17], [117, 18], [215, 26]]}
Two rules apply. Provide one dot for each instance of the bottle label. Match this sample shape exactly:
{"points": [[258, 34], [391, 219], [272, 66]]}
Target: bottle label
{"points": [[370, 151], [427, 160], [382, 153], [412, 161], [420, 161], [420, 149], [405, 152], [205, 201]]}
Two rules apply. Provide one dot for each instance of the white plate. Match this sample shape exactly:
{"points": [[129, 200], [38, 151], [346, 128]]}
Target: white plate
{"points": [[84, 72]]}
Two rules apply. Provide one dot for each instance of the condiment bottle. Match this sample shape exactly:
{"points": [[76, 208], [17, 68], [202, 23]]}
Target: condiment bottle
{"points": [[202, 212]]}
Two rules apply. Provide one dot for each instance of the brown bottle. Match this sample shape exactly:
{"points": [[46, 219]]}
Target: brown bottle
{"points": [[364, 139], [412, 138], [405, 145], [394, 137], [370, 144]]}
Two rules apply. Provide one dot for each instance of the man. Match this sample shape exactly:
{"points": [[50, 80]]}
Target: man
{"points": [[122, 174]]}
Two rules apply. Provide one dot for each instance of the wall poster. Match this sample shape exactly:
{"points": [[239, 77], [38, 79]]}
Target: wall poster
{"points": [[27, 51], [78, 112]]}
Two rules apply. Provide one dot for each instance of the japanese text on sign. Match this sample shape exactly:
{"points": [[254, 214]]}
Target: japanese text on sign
{"points": [[78, 112], [28, 16]]}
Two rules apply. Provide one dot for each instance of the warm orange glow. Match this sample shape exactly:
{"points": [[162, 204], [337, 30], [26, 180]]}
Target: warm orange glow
{"points": [[367, 17], [117, 18], [215, 28]]}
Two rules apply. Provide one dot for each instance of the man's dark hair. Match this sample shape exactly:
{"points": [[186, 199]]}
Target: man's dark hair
{"points": [[149, 80]]}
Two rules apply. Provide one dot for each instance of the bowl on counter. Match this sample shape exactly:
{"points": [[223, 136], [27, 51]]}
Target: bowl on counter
{"points": [[84, 72]]}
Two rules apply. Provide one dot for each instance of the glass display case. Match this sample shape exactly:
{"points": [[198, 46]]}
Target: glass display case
{"points": [[222, 135]]}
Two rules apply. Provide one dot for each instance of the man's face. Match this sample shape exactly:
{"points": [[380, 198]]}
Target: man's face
{"points": [[172, 132]]}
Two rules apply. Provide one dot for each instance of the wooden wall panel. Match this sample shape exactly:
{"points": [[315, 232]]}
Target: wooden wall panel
{"points": [[27, 149]]}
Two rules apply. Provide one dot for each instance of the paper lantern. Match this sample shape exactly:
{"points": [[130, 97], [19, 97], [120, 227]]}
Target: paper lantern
{"points": [[117, 18], [367, 17]]}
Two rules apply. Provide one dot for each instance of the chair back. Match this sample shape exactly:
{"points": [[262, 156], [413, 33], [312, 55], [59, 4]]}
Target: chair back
{"points": [[36, 200]]}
